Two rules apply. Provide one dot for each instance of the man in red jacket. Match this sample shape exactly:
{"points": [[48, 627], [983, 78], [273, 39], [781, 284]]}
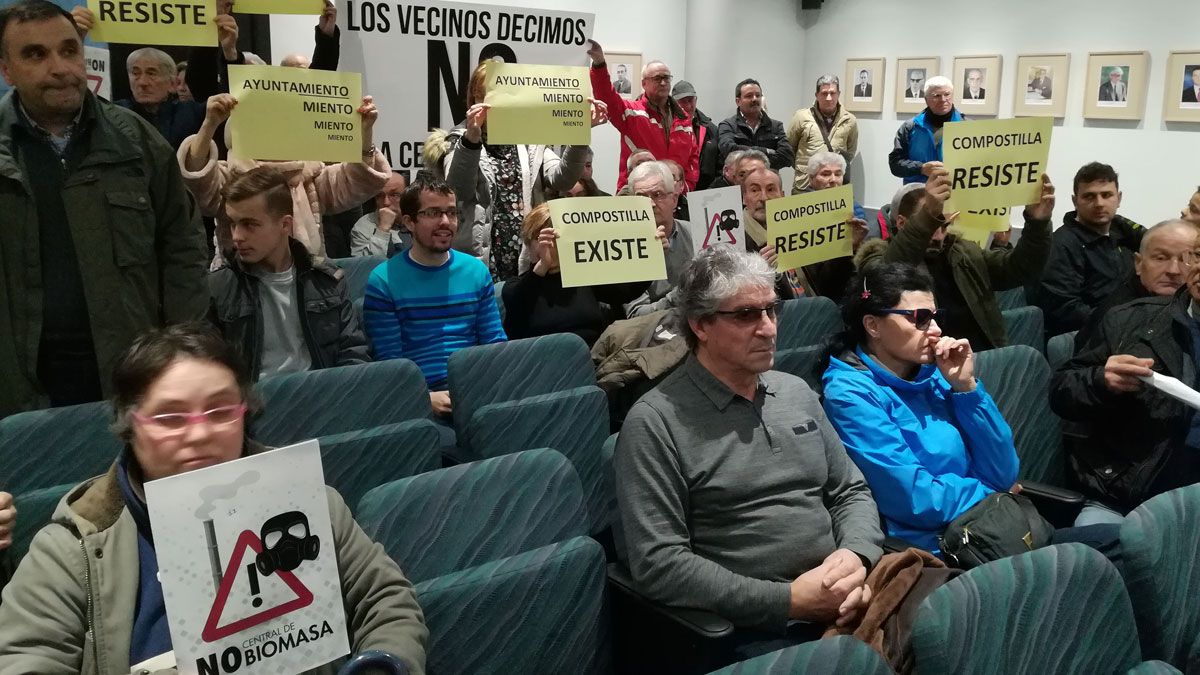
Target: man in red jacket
{"points": [[653, 122]]}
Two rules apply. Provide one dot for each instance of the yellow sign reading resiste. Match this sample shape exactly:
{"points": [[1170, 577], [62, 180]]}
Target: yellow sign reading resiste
{"points": [[538, 105], [995, 163], [296, 113], [606, 240], [811, 227], [279, 6], [159, 22]]}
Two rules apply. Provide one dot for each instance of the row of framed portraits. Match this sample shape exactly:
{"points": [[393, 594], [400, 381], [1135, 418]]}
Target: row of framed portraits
{"points": [[1117, 85]]}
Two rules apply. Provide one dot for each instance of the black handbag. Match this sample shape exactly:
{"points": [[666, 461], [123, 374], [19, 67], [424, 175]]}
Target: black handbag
{"points": [[1000, 525]]}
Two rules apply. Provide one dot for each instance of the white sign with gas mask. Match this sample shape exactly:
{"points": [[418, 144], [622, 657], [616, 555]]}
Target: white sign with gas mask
{"points": [[247, 565]]}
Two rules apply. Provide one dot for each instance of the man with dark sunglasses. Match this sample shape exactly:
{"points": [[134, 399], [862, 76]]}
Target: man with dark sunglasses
{"points": [[736, 494]]}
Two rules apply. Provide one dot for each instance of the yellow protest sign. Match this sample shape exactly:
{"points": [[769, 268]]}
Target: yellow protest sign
{"points": [[811, 227], [296, 113], [538, 105], [607, 240], [994, 163], [977, 226], [279, 6], [157, 22]]}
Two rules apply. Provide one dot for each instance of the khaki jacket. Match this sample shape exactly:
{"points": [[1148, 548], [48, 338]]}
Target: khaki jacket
{"points": [[805, 136], [70, 605]]}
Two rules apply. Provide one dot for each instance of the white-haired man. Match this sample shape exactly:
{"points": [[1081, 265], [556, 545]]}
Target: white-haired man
{"points": [[919, 140], [654, 180]]}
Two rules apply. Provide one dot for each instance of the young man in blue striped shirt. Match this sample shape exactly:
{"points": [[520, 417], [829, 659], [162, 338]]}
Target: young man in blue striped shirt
{"points": [[430, 301]]}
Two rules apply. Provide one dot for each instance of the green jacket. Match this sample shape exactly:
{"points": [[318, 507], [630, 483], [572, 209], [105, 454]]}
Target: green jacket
{"points": [[978, 273], [70, 605], [138, 237]]}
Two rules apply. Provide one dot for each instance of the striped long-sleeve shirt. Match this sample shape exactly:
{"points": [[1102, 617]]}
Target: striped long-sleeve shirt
{"points": [[427, 313]]}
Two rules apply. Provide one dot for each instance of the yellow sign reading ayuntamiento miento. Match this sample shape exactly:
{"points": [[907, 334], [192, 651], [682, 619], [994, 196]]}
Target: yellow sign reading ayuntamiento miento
{"points": [[538, 105], [996, 163], [159, 22], [296, 113], [606, 240], [279, 6], [811, 227]]}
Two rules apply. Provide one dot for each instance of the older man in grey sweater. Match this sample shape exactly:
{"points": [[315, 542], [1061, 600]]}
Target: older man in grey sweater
{"points": [[736, 494]]}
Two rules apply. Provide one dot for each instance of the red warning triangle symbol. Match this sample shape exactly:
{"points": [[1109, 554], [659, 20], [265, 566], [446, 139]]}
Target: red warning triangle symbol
{"points": [[248, 540]]}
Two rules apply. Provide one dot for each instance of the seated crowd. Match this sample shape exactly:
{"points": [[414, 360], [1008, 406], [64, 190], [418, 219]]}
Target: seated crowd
{"points": [[740, 489]]}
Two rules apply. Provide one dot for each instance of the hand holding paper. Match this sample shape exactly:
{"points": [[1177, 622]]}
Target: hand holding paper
{"points": [[1174, 388], [1124, 373], [1042, 209], [84, 20]]}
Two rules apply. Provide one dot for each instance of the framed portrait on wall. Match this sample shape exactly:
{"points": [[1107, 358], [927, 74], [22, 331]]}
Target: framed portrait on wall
{"points": [[1116, 85], [862, 88], [1041, 87], [977, 84], [911, 74], [625, 69], [1181, 102]]}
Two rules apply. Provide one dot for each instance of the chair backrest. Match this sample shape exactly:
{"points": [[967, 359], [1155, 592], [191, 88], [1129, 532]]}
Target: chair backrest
{"points": [[358, 271], [1025, 326], [827, 656], [42, 448], [1013, 298], [807, 321], [451, 519], [300, 406], [573, 422], [1160, 549], [1018, 379], [801, 362], [507, 371], [356, 461], [874, 231], [499, 293], [1060, 348], [34, 509], [542, 611], [1059, 609]]}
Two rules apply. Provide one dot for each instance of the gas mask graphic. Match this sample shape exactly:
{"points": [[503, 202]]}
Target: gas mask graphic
{"points": [[286, 543], [729, 220]]}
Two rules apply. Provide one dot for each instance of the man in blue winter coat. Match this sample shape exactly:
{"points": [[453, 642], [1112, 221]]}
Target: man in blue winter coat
{"points": [[919, 140]]}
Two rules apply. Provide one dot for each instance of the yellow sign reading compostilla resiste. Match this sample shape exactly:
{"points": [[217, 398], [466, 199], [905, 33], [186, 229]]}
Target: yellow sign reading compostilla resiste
{"points": [[811, 227], [187, 23], [996, 163]]}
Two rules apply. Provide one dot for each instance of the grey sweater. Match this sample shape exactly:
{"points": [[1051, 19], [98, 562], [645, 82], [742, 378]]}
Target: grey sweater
{"points": [[724, 502]]}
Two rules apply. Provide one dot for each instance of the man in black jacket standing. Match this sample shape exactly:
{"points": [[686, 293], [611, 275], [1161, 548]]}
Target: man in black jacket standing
{"points": [[706, 133], [283, 310], [1091, 255], [750, 129]]}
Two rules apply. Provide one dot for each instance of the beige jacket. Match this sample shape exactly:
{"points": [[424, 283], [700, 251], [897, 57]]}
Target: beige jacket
{"points": [[317, 189], [805, 136], [70, 606]]}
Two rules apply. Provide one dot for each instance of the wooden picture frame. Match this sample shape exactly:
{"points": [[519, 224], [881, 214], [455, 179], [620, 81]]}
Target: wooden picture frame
{"points": [[860, 96], [1181, 95], [632, 64], [912, 72], [977, 84], [1116, 86], [1041, 85]]}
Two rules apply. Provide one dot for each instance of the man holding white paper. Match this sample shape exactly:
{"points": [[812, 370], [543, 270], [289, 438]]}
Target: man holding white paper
{"points": [[1137, 440]]}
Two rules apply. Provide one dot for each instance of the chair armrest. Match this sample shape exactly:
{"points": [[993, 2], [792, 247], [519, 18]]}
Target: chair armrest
{"points": [[703, 623], [1058, 505]]}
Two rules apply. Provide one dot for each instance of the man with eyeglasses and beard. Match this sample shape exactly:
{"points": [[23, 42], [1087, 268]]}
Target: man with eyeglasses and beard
{"points": [[965, 276], [430, 301], [919, 140], [736, 495]]}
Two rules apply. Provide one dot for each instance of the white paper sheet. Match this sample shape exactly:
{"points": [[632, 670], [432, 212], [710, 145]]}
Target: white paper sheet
{"points": [[1174, 388]]}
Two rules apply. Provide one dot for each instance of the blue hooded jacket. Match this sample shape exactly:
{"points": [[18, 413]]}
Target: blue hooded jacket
{"points": [[927, 453], [916, 143]]}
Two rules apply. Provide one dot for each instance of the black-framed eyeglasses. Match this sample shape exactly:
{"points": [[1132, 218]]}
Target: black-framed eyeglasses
{"points": [[747, 316], [436, 214], [920, 317]]}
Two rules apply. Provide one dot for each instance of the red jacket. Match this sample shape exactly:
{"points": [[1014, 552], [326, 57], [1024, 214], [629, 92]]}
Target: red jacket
{"points": [[642, 128]]}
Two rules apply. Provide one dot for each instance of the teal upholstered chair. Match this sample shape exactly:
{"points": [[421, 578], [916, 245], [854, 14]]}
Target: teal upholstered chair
{"points": [[1018, 379], [541, 611], [356, 461], [463, 516], [1013, 298], [43, 448], [1059, 609], [807, 321], [34, 510], [358, 270], [1025, 326], [1160, 548], [1060, 348], [300, 406], [801, 362], [829, 656]]}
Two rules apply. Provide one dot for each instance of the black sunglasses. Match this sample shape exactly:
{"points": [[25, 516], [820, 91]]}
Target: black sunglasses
{"points": [[750, 315], [919, 317]]}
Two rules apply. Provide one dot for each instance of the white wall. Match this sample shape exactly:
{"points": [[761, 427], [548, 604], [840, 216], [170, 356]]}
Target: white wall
{"points": [[656, 29], [1158, 163]]}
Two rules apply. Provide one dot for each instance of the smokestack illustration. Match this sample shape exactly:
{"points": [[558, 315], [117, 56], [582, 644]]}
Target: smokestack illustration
{"points": [[210, 494]]}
